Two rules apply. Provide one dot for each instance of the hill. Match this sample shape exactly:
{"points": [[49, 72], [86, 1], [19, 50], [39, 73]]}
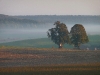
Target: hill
{"points": [[14, 22], [68, 19], [42, 21], [94, 42], [36, 43]]}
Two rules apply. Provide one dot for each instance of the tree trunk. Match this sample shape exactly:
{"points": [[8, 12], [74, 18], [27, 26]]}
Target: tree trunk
{"points": [[60, 45], [77, 46]]}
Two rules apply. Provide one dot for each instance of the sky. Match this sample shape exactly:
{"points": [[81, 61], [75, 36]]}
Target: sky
{"points": [[50, 7]]}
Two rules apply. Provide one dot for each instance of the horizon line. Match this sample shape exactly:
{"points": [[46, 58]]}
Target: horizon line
{"points": [[48, 15]]}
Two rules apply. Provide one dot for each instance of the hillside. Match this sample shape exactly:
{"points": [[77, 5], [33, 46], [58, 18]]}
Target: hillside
{"points": [[42, 21], [36, 43], [14, 22], [94, 42], [68, 19]]}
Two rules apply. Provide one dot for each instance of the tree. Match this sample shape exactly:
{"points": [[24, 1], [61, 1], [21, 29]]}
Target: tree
{"points": [[78, 35], [59, 34]]}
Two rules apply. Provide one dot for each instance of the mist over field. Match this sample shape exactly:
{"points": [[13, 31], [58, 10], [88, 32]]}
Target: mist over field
{"points": [[17, 28], [33, 33], [24, 42], [25, 48]]}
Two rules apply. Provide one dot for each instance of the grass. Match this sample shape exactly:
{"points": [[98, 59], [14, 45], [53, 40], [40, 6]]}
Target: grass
{"points": [[94, 41], [69, 69], [36, 43]]}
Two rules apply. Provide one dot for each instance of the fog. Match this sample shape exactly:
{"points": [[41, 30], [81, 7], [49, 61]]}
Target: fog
{"points": [[90, 29], [9, 35]]}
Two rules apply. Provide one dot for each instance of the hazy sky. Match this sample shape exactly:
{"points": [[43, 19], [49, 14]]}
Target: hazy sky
{"points": [[50, 7]]}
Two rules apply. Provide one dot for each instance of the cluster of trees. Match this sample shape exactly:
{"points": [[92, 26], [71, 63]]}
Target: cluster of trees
{"points": [[60, 35]]}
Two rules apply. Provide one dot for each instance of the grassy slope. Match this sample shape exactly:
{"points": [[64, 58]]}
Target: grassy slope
{"points": [[94, 39], [36, 43], [30, 43], [47, 43]]}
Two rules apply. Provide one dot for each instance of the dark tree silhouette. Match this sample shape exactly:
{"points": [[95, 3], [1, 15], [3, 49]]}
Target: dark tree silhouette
{"points": [[78, 35], [59, 34]]}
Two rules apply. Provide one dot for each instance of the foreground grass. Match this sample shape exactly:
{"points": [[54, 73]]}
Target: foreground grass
{"points": [[69, 69]]}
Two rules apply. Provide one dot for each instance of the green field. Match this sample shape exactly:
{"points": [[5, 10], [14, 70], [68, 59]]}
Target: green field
{"points": [[71, 69], [94, 41], [35, 43]]}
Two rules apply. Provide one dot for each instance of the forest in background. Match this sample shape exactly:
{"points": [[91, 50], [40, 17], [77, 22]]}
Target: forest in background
{"points": [[38, 21]]}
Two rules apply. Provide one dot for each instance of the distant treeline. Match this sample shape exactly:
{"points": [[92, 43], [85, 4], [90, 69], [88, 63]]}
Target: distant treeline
{"points": [[69, 19], [39, 20], [14, 22]]}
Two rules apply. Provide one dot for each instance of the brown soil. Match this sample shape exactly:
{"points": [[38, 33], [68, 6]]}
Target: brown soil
{"points": [[26, 57]]}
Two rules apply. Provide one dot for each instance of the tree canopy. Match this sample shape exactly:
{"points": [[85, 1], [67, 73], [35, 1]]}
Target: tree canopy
{"points": [[59, 34], [78, 35]]}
